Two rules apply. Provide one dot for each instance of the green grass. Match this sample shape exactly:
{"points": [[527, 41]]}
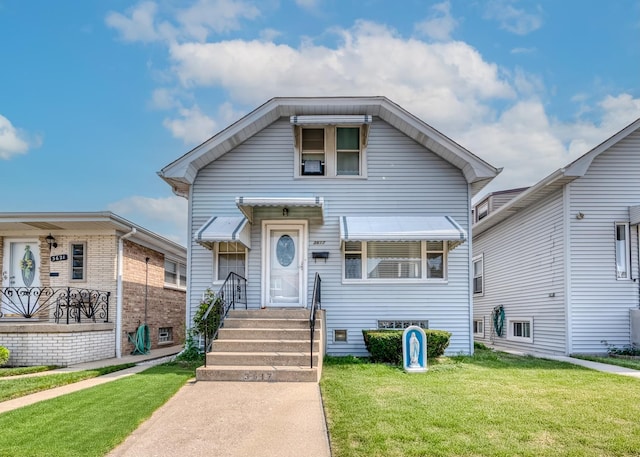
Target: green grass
{"points": [[14, 388], [627, 363], [15, 371], [492, 404], [93, 421]]}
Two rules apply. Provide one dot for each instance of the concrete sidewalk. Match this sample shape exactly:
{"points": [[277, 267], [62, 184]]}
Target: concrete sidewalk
{"points": [[234, 419]]}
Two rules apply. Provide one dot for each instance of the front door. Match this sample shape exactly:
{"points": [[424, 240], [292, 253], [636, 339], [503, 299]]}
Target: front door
{"points": [[21, 263], [285, 264]]}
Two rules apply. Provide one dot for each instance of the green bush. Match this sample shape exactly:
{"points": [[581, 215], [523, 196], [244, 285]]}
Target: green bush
{"points": [[4, 355], [213, 319], [385, 346]]}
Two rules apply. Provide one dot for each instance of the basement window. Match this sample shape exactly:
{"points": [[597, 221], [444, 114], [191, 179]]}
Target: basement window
{"points": [[520, 329], [165, 335], [340, 336]]}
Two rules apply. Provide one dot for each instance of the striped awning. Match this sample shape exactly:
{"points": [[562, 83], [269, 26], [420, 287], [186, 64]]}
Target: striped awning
{"points": [[402, 228], [225, 228]]}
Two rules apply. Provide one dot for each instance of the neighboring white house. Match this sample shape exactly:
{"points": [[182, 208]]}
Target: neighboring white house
{"points": [[561, 257], [355, 189]]}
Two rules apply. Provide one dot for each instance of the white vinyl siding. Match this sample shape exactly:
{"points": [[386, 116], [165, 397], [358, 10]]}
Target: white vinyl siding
{"points": [[600, 302], [403, 178], [524, 272]]}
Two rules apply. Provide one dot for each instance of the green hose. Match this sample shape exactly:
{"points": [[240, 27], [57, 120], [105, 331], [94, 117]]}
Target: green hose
{"points": [[498, 319], [142, 340]]}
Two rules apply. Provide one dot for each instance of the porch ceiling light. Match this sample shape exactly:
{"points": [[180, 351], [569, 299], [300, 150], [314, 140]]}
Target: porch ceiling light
{"points": [[51, 241]]}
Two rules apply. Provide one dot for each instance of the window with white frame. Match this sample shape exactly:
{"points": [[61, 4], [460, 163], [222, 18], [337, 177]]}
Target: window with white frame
{"points": [[622, 250], [175, 274], [231, 257], [395, 260], [478, 327], [330, 151], [520, 329], [482, 211], [478, 275], [78, 261]]}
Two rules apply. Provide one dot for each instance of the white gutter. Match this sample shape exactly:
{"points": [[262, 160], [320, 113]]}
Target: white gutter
{"points": [[119, 291]]}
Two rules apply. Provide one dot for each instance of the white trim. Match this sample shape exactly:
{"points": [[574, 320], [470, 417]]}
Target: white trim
{"points": [[482, 324], [566, 202], [267, 226], [523, 320], [85, 258], [320, 120]]}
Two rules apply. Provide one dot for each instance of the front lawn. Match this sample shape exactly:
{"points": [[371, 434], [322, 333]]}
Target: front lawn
{"points": [[492, 404], [93, 421]]}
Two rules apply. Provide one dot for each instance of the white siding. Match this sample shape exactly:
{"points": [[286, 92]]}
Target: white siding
{"points": [[523, 267], [404, 178], [600, 303]]}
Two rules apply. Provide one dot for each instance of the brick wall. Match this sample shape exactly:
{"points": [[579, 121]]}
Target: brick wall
{"points": [[165, 306], [50, 344]]}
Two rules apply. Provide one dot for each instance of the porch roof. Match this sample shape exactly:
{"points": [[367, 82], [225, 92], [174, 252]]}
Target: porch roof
{"points": [[402, 228], [224, 228], [315, 204]]}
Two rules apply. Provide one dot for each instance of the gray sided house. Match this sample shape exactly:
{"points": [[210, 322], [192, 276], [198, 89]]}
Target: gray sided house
{"points": [[354, 189], [561, 257]]}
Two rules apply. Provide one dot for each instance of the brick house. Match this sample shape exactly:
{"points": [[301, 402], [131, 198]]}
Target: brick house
{"points": [[75, 286]]}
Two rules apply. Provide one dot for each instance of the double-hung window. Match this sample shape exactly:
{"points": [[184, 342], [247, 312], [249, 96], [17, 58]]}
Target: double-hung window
{"points": [[622, 250], [478, 275], [175, 274], [231, 258], [394, 260]]}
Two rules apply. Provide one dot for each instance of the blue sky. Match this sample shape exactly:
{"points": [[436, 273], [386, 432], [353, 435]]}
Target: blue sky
{"points": [[96, 96]]}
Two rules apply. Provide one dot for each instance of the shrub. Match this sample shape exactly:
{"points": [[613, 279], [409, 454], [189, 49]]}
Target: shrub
{"points": [[214, 316], [4, 355], [385, 346]]}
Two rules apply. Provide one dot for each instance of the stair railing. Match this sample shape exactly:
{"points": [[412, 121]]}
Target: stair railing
{"points": [[316, 304], [232, 292]]}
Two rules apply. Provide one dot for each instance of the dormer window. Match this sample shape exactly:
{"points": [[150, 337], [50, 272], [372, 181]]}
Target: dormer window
{"points": [[331, 146]]}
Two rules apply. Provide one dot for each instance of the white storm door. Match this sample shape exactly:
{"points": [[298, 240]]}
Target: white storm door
{"points": [[21, 266], [285, 265]]}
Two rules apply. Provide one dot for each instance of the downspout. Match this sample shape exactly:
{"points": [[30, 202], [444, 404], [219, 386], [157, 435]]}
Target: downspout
{"points": [[119, 291]]}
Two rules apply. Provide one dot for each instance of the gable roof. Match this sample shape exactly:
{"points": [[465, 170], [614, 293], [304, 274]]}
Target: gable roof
{"points": [[181, 173], [552, 182]]}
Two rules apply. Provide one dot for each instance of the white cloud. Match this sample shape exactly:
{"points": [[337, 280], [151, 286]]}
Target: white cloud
{"points": [[219, 16], [512, 19], [164, 99], [13, 141], [166, 216], [440, 24], [139, 25], [192, 127], [444, 82]]}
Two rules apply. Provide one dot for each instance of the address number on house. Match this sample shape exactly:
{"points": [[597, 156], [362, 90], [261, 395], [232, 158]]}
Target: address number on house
{"points": [[57, 258]]}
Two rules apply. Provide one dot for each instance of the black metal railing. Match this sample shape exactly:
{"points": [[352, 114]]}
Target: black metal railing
{"points": [[65, 304], [316, 304], [232, 292]]}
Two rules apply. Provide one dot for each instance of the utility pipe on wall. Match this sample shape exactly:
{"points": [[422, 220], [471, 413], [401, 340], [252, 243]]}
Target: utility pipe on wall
{"points": [[119, 291]]}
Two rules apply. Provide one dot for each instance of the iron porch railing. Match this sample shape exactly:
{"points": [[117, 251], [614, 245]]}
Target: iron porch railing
{"points": [[60, 305], [316, 304]]}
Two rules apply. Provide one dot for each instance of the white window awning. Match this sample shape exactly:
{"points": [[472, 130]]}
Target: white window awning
{"points": [[224, 228], [402, 228], [313, 207]]}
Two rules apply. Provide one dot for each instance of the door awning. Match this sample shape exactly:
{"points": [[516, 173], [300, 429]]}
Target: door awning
{"points": [[313, 206], [402, 228], [224, 228]]}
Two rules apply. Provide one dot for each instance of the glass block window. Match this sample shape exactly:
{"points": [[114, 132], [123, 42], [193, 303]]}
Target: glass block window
{"points": [[78, 261]]}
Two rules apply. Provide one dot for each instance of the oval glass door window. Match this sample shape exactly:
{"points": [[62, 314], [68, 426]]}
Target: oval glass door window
{"points": [[285, 250]]}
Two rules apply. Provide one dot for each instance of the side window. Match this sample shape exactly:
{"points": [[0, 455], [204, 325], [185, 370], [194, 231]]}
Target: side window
{"points": [[478, 275], [482, 210], [622, 251], [78, 261], [175, 274]]}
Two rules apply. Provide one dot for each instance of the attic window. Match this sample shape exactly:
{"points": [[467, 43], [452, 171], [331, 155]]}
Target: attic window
{"points": [[332, 146], [482, 210]]}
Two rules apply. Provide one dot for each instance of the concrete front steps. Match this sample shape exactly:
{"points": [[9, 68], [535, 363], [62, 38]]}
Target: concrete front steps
{"points": [[268, 345]]}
